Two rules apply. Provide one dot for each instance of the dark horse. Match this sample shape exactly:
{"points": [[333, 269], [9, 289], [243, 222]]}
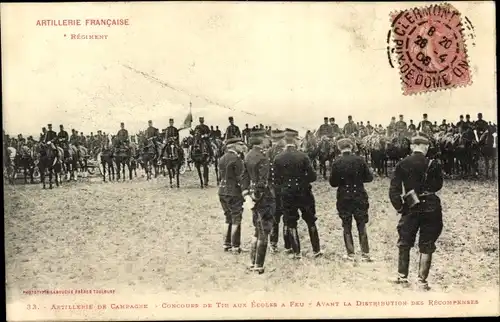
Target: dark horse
{"points": [[122, 157], [148, 158], [217, 148], [105, 157], [49, 161], [325, 153], [488, 151], [309, 146], [25, 160], [173, 158], [201, 158]]}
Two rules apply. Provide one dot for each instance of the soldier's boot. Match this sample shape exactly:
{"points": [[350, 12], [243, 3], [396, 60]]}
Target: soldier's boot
{"points": [[314, 236], [253, 253], [236, 239], [227, 238], [424, 266], [363, 243], [260, 255], [273, 237], [349, 245], [295, 243], [403, 266], [286, 240]]}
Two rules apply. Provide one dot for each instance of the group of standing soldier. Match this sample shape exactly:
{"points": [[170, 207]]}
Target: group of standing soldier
{"points": [[274, 180]]}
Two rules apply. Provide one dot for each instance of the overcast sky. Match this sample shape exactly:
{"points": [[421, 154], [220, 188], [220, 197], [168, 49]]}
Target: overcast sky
{"points": [[289, 64]]}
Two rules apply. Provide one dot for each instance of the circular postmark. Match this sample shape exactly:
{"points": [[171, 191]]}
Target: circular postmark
{"points": [[429, 48]]}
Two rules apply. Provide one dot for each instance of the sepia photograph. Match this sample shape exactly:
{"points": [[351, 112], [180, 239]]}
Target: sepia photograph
{"points": [[187, 160]]}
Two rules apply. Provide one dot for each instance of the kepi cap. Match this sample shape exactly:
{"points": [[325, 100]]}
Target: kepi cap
{"points": [[290, 132], [258, 133], [419, 139], [277, 134], [345, 143], [233, 140]]}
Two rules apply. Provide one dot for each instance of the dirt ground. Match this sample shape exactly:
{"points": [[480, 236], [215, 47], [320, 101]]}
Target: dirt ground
{"points": [[146, 237]]}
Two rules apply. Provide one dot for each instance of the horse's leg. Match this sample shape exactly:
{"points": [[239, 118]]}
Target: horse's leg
{"points": [[205, 174], [170, 174], [104, 165], [216, 167], [177, 170], [129, 166], [198, 168], [50, 177], [25, 172], [42, 175]]}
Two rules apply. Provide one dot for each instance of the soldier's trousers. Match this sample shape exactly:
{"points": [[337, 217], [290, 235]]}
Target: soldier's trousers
{"points": [[262, 220], [233, 210], [361, 218], [278, 213], [428, 225]]}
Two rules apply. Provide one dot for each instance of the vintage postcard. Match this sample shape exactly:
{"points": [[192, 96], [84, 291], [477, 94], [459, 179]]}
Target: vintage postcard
{"points": [[249, 160]]}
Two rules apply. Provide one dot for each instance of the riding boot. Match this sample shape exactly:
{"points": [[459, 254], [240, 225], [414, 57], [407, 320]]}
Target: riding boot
{"points": [[227, 238], [295, 242], [236, 238], [273, 237], [363, 242], [253, 252], [349, 244], [260, 255], [424, 266], [314, 236], [403, 266], [286, 238]]}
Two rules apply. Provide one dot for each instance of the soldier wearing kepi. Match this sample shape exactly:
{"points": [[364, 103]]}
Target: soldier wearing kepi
{"points": [[172, 133], [277, 147], [325, 129], [294, 175], [413, 194], [256, 190], [230, 195], [349, 173], [153, 133], [232, 130]]}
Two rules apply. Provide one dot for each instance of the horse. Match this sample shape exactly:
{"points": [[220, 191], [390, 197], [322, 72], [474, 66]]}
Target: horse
{"points": [[325, 153], [377, 145], [218, 151], [9, 164], [70, 161], [122, 158], [309, 145], [465, 145], [134, 152], [105, 157], [201, 158], [82, 160], [173, 157], [398, 148], [49, 161], [488, 151], [24, 159], [446, 143], [148, 158]]}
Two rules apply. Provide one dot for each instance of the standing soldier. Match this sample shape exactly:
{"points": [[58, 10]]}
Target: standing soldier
{"points": [[43, 134], [218, 134], [349, 173], [401, 124], [325, 129], [277, 147], [413, 194], [467, 124], [335, 126], [293, 175], [232, 130], [122, 135], [204, 134], [481, 126], [412, 127], [245, 133], [350, 127], [256, 190], [425, 125], [230, 195], [461, 122]]}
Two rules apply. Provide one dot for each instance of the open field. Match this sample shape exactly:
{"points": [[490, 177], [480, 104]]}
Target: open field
{"points": [[145, 237]]}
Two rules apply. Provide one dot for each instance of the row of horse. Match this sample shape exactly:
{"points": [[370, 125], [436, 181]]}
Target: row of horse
{"points": [[460, 153]]}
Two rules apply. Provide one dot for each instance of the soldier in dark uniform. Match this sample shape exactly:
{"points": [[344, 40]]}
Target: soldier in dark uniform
{"points": [[51, 138], [204, 134], [325, 129], [412, 127], [460, 123], [443, 127], [425, 125], [293, 175], [369, 127], [349, 173], [43, 134], [172, 133], [63, 139], [83, 140], [73, 139], [256, 191], [481, 125], [232, 130], [152, 133], [335, 126], [401, 124], [122, 136], [350, 127], [278, 146], [230, 194], [467, 124], [218, 134], [416, 175], [391, 128], [245, 133]]}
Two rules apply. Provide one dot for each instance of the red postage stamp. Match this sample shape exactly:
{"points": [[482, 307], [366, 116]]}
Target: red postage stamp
{"points": [[430, 47]]}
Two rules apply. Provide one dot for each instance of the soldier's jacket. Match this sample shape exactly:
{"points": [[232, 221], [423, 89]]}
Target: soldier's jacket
{"points": [[217, 134], [412, 127], [391, 128], [245, 133], [122, 135], [231, 169], [256, 174], [202, 129], [467, 125], [63, 137], [443, 127], [232, 131], [410, 171], [481, 126], [82, 140], [350, 128], [73, 139], [400, 125], [425, 126], [349, 173], [272, 153], [171, 131], [151, 132], [50, 136], [325, 129], [335, 127], [293, 171]]}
